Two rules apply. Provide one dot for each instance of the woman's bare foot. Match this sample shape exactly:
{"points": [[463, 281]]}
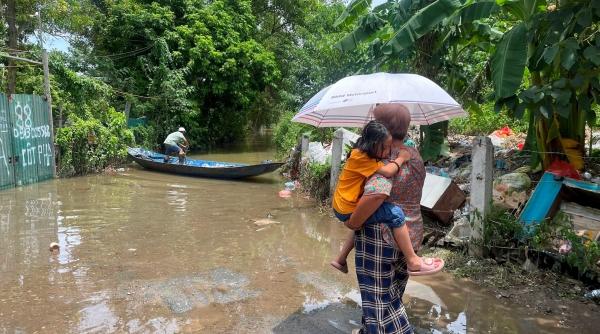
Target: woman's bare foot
{"points": [[424, 266]]}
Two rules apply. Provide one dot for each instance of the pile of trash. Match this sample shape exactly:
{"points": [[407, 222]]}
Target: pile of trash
{"points": [[109, 170], [289, 187], [320, 153], [514, 180]]}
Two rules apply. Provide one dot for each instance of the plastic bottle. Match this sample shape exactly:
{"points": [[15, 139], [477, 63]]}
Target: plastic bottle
{"points": [[593, 294], [290, 186]]}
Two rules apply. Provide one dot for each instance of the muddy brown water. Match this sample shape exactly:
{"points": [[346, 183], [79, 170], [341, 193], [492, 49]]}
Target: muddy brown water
{"points": [[145, 252]]}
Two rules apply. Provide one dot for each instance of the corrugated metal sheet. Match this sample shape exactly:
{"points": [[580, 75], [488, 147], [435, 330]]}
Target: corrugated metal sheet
{"points": [[43, 141], [26, 145], [7, 177]]}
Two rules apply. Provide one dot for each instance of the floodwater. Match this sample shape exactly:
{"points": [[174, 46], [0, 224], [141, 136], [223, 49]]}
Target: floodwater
{"points": [[146, 252]]}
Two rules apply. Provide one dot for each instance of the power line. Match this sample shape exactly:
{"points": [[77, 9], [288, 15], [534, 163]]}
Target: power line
{"points": [[126, 54], [13, 50]]}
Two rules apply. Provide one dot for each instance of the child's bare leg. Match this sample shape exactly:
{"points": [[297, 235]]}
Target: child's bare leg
{"points": [[402, 238], [346, 249]]}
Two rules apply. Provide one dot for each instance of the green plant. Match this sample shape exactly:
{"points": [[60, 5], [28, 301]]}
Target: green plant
{"points": [[497, 229], [433, 142], [287, 134], [583, 254], [79, 156], [145, 136], [486, 122], [315, 179], [500, 229]]}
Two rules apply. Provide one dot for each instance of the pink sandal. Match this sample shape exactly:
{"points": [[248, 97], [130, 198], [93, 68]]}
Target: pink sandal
{"points": [[339, 267], [428, 267]]}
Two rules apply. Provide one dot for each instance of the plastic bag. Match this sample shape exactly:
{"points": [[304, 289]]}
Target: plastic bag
{"points": [[497, 141], [503, 133], [317, 153], [564, 168], [498, 136], [509, 183]]}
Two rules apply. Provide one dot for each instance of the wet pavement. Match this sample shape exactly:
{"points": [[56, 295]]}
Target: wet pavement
{"points": [[145, 252]]}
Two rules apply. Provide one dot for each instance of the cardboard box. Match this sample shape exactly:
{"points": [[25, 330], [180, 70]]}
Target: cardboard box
{"points": [[441, 196]]}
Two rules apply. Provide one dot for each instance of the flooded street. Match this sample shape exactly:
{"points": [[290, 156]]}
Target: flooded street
{"points": [[147, 252]]}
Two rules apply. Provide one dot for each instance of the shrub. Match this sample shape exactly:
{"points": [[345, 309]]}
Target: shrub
{"points": [[502, 230], [315, 179], [287, 134], [79, 157], [145, 137], [487, 122]]}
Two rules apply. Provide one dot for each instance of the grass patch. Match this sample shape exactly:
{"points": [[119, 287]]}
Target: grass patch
{"points": [[489, 274]]}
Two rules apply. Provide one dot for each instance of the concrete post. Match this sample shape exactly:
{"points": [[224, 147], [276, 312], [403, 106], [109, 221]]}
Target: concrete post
{"points": [[481, 186], [60, 120], [304, 145], [127, 109], [337, 149]]}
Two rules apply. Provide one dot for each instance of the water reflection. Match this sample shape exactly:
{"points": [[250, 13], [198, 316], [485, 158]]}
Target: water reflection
{"points": [[27, 225]]}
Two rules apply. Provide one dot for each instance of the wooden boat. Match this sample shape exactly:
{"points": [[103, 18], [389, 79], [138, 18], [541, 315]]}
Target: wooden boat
{"points": [[202, 168]]}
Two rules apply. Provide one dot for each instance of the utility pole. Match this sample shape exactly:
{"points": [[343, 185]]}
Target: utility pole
{"points": [[48, 95]]}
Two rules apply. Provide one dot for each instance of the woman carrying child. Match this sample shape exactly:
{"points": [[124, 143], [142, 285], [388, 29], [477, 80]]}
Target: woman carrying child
{"points": [[364, 160]]}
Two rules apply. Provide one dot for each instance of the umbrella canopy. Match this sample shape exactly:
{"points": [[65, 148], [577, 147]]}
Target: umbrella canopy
{"points": [[350, 101]]}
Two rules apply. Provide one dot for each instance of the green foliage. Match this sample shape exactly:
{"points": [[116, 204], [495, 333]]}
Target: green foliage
{"points": [[434, 142], [287, 134], [315, 179], [199, 61], [502, 230], [562, 64], [79, 157], [499, 227], [555, 52], [584, 253], [486, 122], [420, 24], [508, 63], [145, 136], [314, 65]]}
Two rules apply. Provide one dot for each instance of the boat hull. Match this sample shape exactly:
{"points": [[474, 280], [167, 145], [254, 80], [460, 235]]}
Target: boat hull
{"points": [[199, 168]]}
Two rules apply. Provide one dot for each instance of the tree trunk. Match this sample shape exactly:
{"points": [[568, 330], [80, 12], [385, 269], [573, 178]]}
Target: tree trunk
{"points": [[12, 44]]}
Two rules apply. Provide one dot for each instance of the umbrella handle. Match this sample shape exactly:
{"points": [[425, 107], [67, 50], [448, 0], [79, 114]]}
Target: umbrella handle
{"points": [[370, 113]]}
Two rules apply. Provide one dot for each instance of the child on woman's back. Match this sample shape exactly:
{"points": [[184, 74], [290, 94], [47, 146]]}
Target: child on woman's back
{"points": [[364, 160]]}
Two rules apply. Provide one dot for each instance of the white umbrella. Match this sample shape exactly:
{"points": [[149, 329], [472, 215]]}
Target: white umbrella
{"points": [[349, 102]]}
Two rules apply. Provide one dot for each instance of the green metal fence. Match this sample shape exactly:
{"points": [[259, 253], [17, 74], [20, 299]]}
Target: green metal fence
{"points": [[25, 140]]}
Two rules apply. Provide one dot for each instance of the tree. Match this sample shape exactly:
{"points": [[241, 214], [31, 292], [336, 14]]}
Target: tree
{"points": [[417, 36], [12, 44], [198, 63], [60, 17], [551, 46]]}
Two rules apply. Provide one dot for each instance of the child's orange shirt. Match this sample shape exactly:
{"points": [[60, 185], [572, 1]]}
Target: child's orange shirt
{"points": [[352, 181]]}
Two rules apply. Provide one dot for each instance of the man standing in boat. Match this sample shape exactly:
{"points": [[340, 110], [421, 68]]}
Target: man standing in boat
{"points": [[174, 144]]}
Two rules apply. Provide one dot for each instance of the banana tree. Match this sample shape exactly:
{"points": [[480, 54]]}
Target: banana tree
{"points": [[554, 44], [429, 35], [560, 49]]}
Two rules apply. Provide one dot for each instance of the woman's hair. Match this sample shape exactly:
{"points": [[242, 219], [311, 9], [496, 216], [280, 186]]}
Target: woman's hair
{"points": [[395, 117], [373, 138]]}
